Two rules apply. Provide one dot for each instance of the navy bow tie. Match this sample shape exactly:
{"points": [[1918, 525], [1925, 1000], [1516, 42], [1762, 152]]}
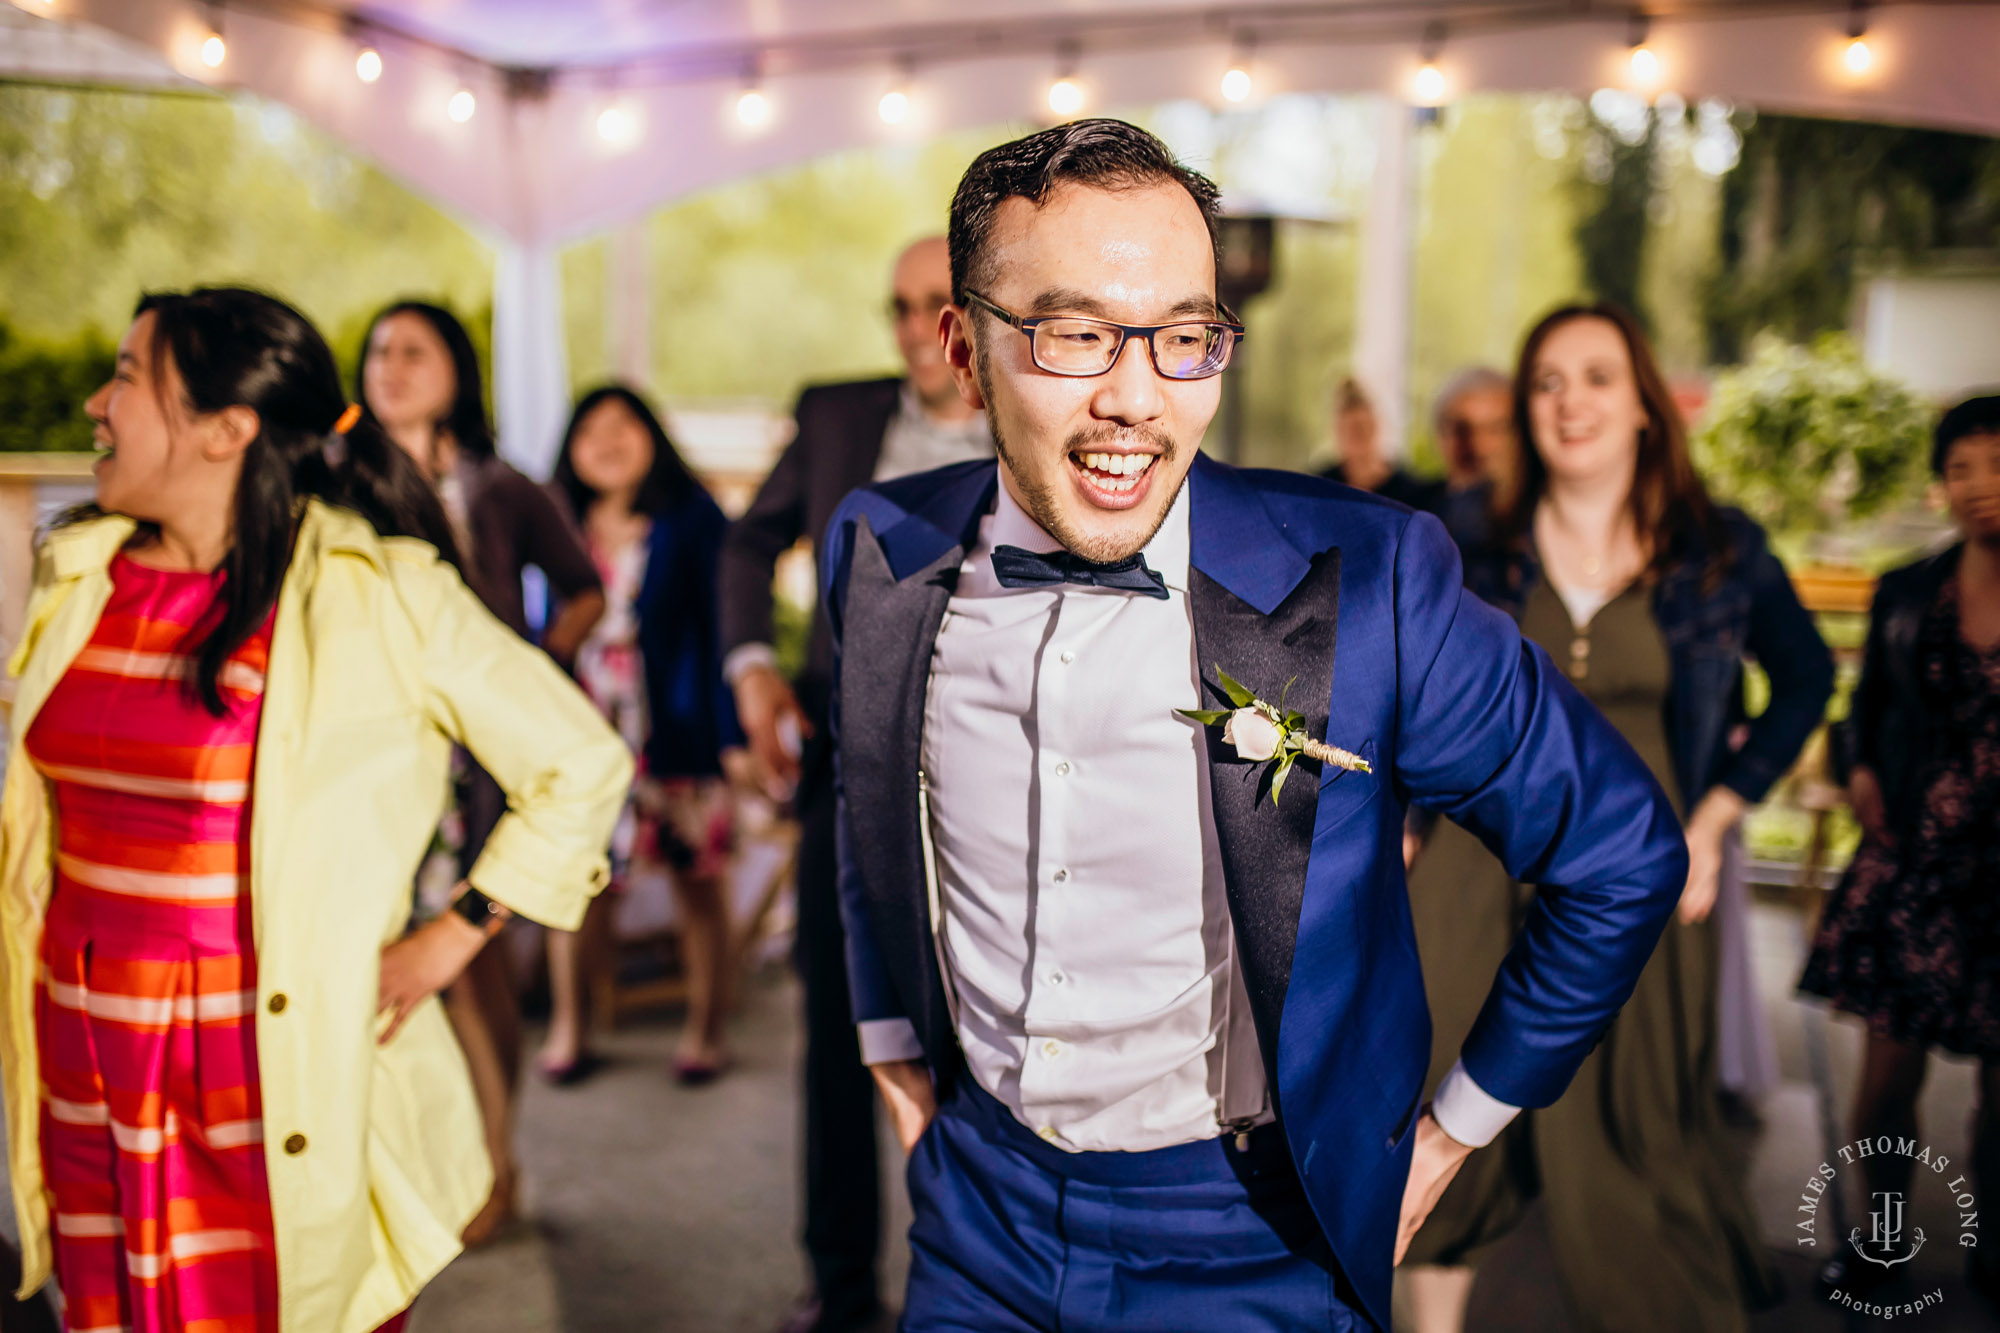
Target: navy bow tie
{"points": [[1016, 568]]}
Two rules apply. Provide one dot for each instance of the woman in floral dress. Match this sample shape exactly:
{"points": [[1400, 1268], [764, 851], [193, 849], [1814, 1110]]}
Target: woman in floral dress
{"points": [[653, 664], [1910, 941]]}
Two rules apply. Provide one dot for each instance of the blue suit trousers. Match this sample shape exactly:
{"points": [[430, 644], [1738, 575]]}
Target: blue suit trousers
{"points": [[1014, 1235]]}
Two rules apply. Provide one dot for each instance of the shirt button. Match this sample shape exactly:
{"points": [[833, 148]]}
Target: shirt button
{"points": [[296, 1144], [1052, 1048], [1061, 876], [1057, 978], [1579, 648], [1068, 656], [1048, 1132], [277, 1003], [1062, 769]]}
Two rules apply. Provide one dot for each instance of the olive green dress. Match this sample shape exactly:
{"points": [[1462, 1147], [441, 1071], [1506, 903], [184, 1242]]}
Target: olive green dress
{"points": [[1651, 1227]]}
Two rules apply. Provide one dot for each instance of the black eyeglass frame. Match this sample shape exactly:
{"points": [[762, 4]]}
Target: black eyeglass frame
{"points": [[1126, 332]]}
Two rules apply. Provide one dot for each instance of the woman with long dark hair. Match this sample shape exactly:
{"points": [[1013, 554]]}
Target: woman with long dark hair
{"points": [[653, 664], [1910, 940], [243, 673], [419, 380], [1613, 559]]}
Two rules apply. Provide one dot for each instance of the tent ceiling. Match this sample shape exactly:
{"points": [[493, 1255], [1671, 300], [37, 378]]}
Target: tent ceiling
{"points": [[532, 166]]}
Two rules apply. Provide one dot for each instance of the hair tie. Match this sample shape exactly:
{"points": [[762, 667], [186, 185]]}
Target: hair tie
{"points": [[347, 419]]}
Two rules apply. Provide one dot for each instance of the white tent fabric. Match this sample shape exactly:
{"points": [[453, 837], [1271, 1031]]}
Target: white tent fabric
{"points": [[532, 169]]}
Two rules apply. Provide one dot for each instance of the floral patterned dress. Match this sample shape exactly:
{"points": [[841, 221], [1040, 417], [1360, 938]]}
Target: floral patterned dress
{"points": [[1911, 939], [686, 822]]}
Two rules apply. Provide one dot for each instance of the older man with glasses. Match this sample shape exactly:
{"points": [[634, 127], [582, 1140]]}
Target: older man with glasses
{"points": [[1125, 737]]}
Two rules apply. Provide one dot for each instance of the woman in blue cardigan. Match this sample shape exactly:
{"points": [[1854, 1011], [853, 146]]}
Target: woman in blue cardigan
{"points": [[654, 665], [1649, 597]]}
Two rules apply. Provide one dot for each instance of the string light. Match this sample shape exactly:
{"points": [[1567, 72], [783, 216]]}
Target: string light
{"points": [[1066, 96], [753, 108], [368, 65], [894, 108], [1236, 83], [1427, 87], [214, 50], [618, 125], [461, 106], [1645, 64], [1859, 57]]}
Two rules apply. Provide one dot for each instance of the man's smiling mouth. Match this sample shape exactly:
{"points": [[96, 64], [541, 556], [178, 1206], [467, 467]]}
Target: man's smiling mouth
{"points": [[1113, 473]]}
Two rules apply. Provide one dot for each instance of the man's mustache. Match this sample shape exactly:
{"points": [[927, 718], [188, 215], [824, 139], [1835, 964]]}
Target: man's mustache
{"points": [[1121, 438]]}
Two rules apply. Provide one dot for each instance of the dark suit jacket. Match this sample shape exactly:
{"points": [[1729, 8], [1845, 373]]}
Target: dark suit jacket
{"points": [[1889, 726], [1359, 602], [839, 440]]}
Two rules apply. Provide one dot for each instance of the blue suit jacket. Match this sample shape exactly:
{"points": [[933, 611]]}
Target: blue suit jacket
{"points": [[1360, 600]]}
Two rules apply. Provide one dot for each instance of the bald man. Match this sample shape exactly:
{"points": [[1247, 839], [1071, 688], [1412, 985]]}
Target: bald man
{"points": [[848, 435]]}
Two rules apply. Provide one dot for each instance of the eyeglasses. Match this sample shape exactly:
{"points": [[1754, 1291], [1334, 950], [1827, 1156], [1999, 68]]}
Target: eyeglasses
{"points": [[1075, 346]]}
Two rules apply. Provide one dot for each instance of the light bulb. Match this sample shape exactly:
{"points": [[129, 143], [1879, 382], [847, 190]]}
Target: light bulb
{"points": [[461, 106], [753, 109], [1859, 57], [1065, 97], [617, 126], [894, 108], [1645, 65], [1429, 85], [1236, 84], [368, 65], [214, 51]]}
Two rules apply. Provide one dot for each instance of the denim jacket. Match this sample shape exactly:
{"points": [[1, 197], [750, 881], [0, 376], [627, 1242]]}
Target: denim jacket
{"points": [[1888, 727], [1752, 612]]}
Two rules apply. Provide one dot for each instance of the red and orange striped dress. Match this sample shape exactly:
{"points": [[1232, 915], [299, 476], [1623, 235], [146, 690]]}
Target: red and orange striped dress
{"points": [[152, 1137]]}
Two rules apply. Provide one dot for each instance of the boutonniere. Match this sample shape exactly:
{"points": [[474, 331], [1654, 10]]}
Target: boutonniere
{"points": [[1264, 732]]}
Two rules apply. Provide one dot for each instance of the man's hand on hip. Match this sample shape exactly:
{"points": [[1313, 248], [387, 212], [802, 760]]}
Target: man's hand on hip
{"points": [[1436, 1160], [912, 1101], [773, 721]]}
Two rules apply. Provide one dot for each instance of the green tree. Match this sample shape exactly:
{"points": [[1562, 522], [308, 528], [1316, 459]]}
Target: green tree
{"points": [[107, 194], [43, 387], [1812, 198]]}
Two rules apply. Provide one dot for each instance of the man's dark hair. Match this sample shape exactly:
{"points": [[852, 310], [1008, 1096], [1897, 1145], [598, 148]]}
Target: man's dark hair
{"points": [[1974, 416], [1103, 154]]}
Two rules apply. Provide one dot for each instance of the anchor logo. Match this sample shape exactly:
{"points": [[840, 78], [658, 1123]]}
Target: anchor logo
{"points": [[1887, 1233]]}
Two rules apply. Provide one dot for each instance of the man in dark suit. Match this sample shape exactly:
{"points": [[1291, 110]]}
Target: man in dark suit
{"points": [[1125, 741], [848, 435]]}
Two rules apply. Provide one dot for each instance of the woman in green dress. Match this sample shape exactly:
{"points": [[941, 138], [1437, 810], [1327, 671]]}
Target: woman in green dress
{"points": [[1614, 562]]}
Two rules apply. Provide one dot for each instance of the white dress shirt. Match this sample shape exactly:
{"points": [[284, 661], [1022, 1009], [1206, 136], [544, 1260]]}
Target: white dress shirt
{"points": [[1085, 932]]}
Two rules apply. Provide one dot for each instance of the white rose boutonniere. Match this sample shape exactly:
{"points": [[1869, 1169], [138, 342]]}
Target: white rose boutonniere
{"points": [[1263, 732]]}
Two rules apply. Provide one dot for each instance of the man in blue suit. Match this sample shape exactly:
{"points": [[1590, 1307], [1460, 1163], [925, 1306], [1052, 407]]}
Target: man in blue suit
{"points": [[1125, 739]]}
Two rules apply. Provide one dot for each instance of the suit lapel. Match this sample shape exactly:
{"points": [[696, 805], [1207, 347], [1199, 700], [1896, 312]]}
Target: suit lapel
{"points": [[898, 587], [1265, 613]]}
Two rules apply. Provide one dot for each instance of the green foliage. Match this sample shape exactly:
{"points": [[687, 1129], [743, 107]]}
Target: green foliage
{"points": [[1494, 244], [1613, 221], [42, 389], [107, 194], [1813, 199], [1805, 438]]}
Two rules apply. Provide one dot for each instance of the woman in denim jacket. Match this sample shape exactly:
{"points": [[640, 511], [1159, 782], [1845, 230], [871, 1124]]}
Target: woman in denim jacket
{"points": [[1910, 940], [1613, 560]]}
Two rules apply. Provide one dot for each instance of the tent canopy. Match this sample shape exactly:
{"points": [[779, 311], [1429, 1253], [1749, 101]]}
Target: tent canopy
{"points": [[538, 160]]}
